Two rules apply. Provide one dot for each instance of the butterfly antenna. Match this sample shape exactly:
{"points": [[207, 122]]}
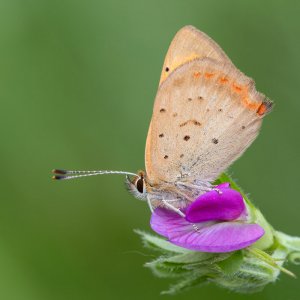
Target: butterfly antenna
{"points": [[67, 174]]}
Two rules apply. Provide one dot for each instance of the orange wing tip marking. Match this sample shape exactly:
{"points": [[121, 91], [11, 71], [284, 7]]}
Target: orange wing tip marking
{"points": [[209, 75], [249, 104], [265, 107], [262, 109], [197, 74]]}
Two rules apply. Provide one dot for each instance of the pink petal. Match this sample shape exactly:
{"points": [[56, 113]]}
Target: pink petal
{"points": [[220, 237], [209, 237], [223, 205], [164, 220]]}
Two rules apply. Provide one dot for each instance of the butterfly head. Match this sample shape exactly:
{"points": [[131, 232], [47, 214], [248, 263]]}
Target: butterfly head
{"points": [[137, 185]]}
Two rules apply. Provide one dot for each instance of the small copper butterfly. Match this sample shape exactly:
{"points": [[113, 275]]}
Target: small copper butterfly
{"points": [[206, 114]]}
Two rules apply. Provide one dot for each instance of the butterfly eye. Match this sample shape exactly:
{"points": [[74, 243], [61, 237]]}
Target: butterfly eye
{"points": [[140, 185], [167, 69]]}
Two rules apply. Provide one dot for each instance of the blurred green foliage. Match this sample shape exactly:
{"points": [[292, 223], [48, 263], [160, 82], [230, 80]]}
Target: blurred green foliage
{"points": [[77, 83]]}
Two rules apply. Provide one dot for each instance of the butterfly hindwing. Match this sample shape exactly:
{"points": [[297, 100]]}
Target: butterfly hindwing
{"points": [[206, 114]]}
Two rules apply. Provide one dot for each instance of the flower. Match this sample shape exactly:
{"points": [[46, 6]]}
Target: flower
{"points": [[210, 244], [217, 221]]}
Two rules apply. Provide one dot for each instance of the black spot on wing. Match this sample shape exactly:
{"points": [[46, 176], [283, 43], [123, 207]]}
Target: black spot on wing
{"points": [[194, 122]]}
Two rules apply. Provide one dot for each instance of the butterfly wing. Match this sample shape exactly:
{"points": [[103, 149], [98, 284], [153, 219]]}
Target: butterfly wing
{"points": [[190, 43], [206, 114]]}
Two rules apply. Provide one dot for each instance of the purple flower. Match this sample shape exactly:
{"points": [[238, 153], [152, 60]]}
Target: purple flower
{"points": [[215, 222]]}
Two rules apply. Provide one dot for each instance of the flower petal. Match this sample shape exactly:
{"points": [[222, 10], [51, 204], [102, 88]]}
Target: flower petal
{"points": [[163, 220], [226, 205], [169, 224], [208, 237], [220, 237]]}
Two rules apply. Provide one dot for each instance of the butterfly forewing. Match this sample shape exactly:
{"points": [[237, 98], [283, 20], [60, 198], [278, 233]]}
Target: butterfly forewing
{"points": [[206, 114], [190, 43]]}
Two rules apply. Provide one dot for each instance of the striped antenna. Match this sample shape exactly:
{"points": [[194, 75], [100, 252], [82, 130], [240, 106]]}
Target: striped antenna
{"points": [[67, 174]]}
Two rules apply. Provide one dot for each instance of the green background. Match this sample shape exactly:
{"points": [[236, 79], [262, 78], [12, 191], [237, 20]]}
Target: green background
{"points": [[77, 83]]}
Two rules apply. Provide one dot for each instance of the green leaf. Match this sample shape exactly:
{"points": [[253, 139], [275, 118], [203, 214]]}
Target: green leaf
{"points": [[212, 262], [294, 258], [290, 242], [161, 268], [266, 258], [267, 240], [188, 258], [159, 244], [231, 264], [185, 284], [292, 246]]}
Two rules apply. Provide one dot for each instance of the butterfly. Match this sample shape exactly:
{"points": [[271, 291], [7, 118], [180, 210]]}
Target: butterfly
{"points": [[206, 114]]}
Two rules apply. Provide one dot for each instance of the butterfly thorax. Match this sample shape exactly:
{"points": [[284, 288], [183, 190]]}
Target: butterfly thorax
{"points": [[178, 193]]}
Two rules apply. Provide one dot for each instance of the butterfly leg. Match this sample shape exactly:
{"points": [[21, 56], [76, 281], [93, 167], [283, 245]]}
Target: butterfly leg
{"points": [[200, 187], [150, 205], [173, 208], [196, 228], [191, 186], [178, 211], [217, 190]]}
